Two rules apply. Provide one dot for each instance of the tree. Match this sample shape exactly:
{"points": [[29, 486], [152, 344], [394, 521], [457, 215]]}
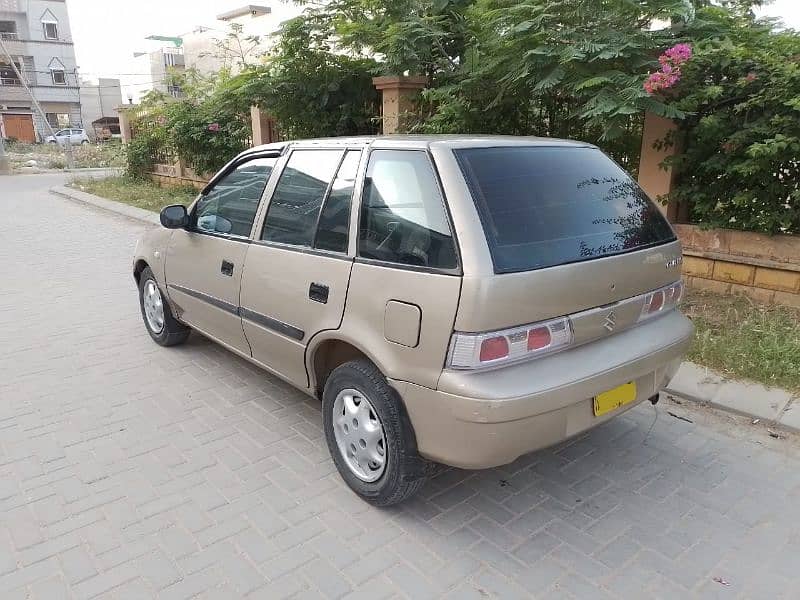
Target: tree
{"points": [[310, 89], [740, 165]]}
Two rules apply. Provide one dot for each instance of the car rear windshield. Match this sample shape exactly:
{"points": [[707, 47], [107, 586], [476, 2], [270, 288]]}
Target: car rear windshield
{"points": [[543, 206]]}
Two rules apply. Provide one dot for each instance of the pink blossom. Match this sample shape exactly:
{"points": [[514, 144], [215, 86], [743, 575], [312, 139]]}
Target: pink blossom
{"points": [[214, 127], [670, 73]]}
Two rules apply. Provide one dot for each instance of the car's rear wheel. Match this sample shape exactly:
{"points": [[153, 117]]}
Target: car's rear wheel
{"points": [[369, 437], [159, 321]]}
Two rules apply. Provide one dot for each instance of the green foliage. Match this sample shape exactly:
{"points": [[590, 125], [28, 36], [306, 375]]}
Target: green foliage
{"points": [[207, 132], [139, 156], [311, 90], [556, 68], [740, 167]]}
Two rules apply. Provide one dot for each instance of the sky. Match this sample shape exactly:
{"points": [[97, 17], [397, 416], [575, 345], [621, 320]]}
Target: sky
{"points": [[108, 32]]}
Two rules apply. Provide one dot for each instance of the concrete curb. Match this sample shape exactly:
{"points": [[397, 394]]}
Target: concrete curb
{"points": [[702, 385], [132, 212]]}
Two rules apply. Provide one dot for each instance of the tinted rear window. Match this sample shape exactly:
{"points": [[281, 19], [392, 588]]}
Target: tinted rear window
{"points": [[546, 206]]}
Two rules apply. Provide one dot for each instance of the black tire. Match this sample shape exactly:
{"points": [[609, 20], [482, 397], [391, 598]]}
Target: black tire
{"points": [[405, 471], [174, 332]]}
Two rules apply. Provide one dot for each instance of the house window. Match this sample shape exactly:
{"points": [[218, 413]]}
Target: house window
{"points": [[59, 77], [8, 30], [7, 74], [50, 31]]}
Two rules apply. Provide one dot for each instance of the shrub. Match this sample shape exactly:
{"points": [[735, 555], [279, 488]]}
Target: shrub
{"points": [[140, 155]]}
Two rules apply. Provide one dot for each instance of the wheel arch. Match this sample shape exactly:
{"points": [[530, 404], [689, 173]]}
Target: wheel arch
{"points": [[139, 266], [326, 352]]}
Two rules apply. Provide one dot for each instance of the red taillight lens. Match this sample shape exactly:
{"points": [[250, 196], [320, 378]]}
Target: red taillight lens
{"points": [[656, 302], [494, 348], [662, 300], [539, 338]]}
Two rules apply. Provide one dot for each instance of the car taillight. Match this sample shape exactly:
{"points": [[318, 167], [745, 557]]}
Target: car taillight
{"points": [[661, 301], [480, 350]]}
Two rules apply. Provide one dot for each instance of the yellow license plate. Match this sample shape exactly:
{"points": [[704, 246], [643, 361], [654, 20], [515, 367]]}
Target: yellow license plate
{"points": [[613, 399]]}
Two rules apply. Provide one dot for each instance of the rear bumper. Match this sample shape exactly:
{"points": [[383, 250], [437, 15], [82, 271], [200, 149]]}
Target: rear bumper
{"points": [[481, 420]]}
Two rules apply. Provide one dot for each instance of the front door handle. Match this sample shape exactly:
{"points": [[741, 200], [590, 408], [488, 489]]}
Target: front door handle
{"points": [[226, 268], [318, 293]]}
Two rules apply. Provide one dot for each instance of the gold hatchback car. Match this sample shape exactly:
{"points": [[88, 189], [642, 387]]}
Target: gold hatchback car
{"points": [[451, 299]]}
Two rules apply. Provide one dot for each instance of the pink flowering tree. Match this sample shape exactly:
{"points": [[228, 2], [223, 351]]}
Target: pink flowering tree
{"points": [[670, 72]]}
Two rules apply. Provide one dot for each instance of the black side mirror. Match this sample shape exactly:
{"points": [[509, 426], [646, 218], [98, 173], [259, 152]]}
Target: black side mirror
{"points": [[174, 216]]}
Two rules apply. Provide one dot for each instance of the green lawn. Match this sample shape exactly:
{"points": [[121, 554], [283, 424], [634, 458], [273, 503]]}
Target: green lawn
{"points": [[136, 192], [744, 339]]}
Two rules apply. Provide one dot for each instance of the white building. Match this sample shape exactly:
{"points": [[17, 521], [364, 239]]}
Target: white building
{"points": [[36, 33], [99, 102], [161, 65]]}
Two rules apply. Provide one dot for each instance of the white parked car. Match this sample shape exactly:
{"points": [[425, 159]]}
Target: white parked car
{"points": [[75, 136]]}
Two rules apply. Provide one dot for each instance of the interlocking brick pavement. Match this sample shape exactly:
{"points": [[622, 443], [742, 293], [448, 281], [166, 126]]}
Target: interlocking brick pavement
{"points": [[133, 471]]}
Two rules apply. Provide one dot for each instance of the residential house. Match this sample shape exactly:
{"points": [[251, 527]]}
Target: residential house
{"points": [[162, 65], [37, 36], [99, 103]]}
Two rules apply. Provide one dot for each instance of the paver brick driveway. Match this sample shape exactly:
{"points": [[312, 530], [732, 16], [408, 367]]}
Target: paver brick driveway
{"points": [[132, 471]]}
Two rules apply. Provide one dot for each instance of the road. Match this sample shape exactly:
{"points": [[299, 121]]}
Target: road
{"points": [[128, 470]]}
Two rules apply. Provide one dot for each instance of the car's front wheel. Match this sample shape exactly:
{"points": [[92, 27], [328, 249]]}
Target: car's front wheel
{"points": [[369, 437], [161, 324]]}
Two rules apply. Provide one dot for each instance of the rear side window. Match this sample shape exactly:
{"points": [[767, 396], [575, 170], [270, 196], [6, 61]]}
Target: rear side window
{"points": [[334, 220], [403, 219], [547, 206], [296, 203]]}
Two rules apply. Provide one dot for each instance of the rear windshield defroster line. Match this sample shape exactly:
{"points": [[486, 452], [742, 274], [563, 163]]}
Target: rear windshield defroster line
{"points": [[547, 206]]}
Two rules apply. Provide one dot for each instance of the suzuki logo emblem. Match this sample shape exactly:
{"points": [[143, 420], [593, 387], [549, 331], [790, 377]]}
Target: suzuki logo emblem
{"points": [[610, 322]]}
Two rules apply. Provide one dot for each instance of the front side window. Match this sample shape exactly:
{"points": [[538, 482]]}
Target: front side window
{"points": [[296, 203], [59, 77], [546, 206], [230, 206], [403, 218], [50, 31]]}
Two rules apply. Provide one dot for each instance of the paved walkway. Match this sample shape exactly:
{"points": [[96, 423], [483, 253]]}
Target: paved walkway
{"points": [[132, 471]]}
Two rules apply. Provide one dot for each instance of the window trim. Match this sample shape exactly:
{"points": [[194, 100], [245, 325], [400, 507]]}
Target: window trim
{"points": [[259, 234], [44, 29], [457, 269], [63, 75], [220, 176]]}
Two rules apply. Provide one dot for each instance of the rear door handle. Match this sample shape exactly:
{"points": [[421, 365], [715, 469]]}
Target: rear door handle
{"points": [[226, 268], [318, 293]]}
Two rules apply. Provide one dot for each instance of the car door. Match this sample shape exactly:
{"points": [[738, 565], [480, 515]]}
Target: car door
{"points": [[204, 261], [296, 274], [406, 280]]}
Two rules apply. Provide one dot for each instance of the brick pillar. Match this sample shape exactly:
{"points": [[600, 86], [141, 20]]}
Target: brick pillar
{"points": [[264, 130], [656, 180], [125, 124], [400, 95]]}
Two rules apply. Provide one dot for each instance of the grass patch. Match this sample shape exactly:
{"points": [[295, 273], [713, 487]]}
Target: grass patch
{"points": [[136, 192], [743, 339], [52, 156]]}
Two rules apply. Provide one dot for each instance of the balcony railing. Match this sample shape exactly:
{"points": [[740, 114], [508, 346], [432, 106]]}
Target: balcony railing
{"points": [[9, 35], [10, 81]]}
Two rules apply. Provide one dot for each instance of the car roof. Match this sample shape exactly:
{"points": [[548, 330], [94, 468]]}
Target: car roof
{"points": [[424, 142]]}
